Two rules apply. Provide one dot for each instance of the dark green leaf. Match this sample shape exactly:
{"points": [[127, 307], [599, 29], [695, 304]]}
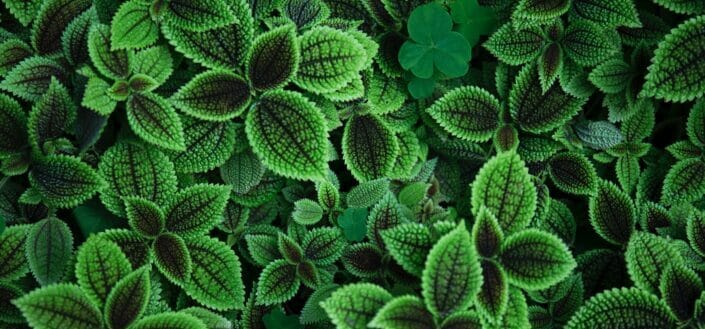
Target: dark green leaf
{"points": [[172, 258], [213, 95], [274, 58], [369, 147], [49, 250], [64, 181], [61, 305], [128, 300]]}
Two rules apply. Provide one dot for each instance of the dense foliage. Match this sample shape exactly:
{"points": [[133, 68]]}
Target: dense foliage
{"points": [[352, 164]]}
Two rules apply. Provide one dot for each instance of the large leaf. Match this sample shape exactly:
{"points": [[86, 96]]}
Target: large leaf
{"points": [[30, 78], [676, 75], [685, 182], [367, 193], [12, 252], [680, 287], [208, 145], [369, 147], [196, 209], [452, 275], [534, 259], [612, 213], [274, 58], [354, 306], [408, 244], [618, 13], [49, 250], [74, 40], [13, 120], [114, 64], [132, 27], [135, 170], [51, 116], [195, 16], [144, 216], [289, 135], [12, 52], [61, 305], [51, 21], [323, 246], [627, 308], [494, 293], [573, 173], [504, 186], [172, 258], [64, 181], [695, 230], [560, 221], [537, 111], [215, 280], [153, 119], [515, 46], [170, 320], [647, 256], [277, 283], [470, 113], [128, 300], [405, 312], [24, 11], [387, 213], [330, 61], [100, 264], [154, 62], [213, 95], [589, 44]]}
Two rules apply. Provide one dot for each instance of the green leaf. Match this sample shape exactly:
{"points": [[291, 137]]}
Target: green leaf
{"points": [[572, 172], [243, 171], [560, 221], [135, 170], [12, 251], [534, 259], [12, 52], [504, 186], [470, 113], [307, 212], [405, 312], [385, 95], [695, 230], [367, 193], [262, 248], [355, 305], [288, 133], [153, 119], [290, 249], [96, 98], [323, 245], [452, 276], [209, 318], [196, 210], [628, 171], [312, 312], [516, 315], [154, 62], [74, 39], [128, 300], [515, 46], [494, 293], [173, 258], [305, 13], [682, 7], [169, 320], [462, 320], [618, 13], [132, 27], [550, 65], [611, 76], [130, 243], [363, 259], [65, 181], [9, 313], [23, 11], [685, 182], [628, 308], [680, 287], [640, 125], [676, 75], [31, 78], [51, 116], [144, 216], [277, 319], [196, 16], [536, 111], [114, 64], [588, 44], [599, 135], [208, 145], [60, 305], [362, 134], [540, 10], [216, 279], [696, 124], [385, 214], [277, 283], [274, 58], [353, 223], [51, 21], [213, 95], [100, 264], [49, 249], [612, 213], [647, 256], [13, 120], [486, 234], [332, 59]]}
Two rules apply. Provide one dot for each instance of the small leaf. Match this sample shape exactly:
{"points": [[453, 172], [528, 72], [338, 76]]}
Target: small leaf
{"points": [[515, 46], [559, 221], [628, 171], [647, 256], [533, 259], [114, 64], [100, 264], [676, 75], [307, 212], [277, 283], [323, 245], [611, 76], [680, 287], [153, 119], [486, 233], [196, 210], [30, 78], [154, 62], [96, 97], [172, 258], [612, 213], [588, 44], [362, 134], [405, 312], [572, 172], [262, 248], [363, 259], [213, 95], [452, 276], [49, 250], [196, 16], [685, 182], [354, 306], [386, 214], [144, 216], [64, 181], [274, 58], [550, 65], [599, 135], [367, 193], [51, 116], [243, 171], [132, 27], [289, 249], [58, 306], [12, 252], [628, 308], [494, 293], [131, 244], [504, 186], [288, 134], [216, 279], [128, 300], [470, 113]]}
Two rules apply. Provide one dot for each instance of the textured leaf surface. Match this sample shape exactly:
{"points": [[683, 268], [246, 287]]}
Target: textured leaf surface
{"points": [[622, 308], [196, 209], [323, 246], [132, 27], [405, 312], [274, 58], [51, 115], [144, 216], [573, 173], [277, 283], [354, 306], [469, 113], [515, 46], [30, 78], [369, 147], [49, 250], [12, 249], [208, 145], [65, 181], [213, 95], [171, 320], [172, 258], [588, 44], [13, 120], [114, 64], [680, 287], [494, 293], [215, 280], [685, 182], [100, 264], [197, 16], [59, 305], [153, 119], [51, 20], [128, 300], [647, 256]]}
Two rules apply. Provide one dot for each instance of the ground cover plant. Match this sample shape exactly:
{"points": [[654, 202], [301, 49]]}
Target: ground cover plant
{"points": [[352, 164]]}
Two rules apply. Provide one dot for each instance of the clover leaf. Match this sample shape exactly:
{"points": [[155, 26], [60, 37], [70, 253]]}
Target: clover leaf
{"points": [[353, 221], [433, 43], [472, 20]]}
